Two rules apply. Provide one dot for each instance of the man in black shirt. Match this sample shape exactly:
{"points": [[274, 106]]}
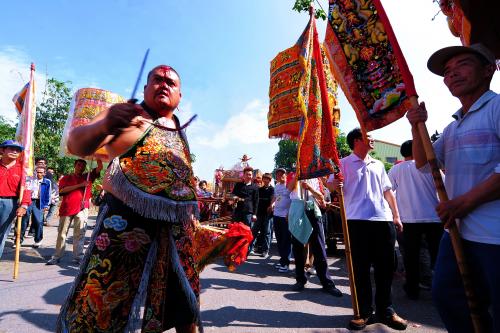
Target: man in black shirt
{"points": [[248, 195], [261, 229]]}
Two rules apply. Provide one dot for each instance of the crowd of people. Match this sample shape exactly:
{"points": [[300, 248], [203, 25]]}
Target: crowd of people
{"points": [[151, 215], [41, 199]]}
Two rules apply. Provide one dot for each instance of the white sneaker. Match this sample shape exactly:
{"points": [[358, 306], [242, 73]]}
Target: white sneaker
{"points": [[36, 245], [283, 269]]}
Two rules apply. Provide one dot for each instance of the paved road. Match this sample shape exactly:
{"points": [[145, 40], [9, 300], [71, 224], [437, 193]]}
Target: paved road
{"points": [[255, 298]]}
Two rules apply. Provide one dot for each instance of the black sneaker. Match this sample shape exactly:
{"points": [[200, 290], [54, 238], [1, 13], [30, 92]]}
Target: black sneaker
{"points": [[299, 286], [332, 290]]}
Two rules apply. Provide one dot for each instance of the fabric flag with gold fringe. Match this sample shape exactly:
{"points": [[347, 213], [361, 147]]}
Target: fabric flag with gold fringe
{"points": [[25, 104], [303, 104], [367, 62]]}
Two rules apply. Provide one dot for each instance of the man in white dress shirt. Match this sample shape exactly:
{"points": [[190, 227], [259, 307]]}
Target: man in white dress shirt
{"points": [[369, 202]]}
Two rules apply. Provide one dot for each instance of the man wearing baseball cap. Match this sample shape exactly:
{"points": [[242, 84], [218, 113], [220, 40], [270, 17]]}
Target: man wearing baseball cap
{"points": [[10, 175], [469, 150]]}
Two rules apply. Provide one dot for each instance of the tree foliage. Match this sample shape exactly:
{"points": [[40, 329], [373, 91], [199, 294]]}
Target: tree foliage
{"points": [[50, 119], [303, 5], [286, 157], [7, 129]]}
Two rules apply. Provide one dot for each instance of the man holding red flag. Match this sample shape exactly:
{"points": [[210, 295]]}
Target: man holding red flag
{"points": [[469, 150], [11, 170]]}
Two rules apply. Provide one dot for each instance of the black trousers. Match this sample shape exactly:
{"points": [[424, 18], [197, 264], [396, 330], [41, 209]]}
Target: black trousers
{"points": [[317, 246], [412, 241], [372, 243]]}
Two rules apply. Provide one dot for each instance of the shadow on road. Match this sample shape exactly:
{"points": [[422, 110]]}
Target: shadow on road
{"points": [[42, 320], [231, 316]]}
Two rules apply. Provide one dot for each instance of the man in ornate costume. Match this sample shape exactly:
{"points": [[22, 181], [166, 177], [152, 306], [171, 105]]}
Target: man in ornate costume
{"points": [[147, 249]]}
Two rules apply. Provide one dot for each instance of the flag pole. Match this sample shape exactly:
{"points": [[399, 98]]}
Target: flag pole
{"points": [[27, 144], [456, 240], [348, 256], [345, 230]]}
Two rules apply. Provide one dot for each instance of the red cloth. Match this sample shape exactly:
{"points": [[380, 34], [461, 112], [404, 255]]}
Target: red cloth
{"points": [[72, 201], [10, 183]]}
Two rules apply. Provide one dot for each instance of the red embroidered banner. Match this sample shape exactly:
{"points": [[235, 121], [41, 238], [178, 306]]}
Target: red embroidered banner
{"points": [[367, 62]]}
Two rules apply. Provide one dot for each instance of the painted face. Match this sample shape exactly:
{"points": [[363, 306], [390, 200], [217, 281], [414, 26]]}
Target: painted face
{"points": [[464, 74], [162, 93]]}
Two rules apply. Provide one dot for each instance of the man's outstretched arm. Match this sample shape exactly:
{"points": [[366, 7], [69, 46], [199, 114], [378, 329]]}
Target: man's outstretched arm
{"points": [[85, 140]]}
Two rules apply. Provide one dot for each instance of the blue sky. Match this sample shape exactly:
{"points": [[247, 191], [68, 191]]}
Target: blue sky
{"points": [[221, 49]]}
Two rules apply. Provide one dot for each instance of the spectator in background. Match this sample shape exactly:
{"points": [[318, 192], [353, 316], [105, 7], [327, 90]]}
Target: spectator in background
{"points": [[261, 229], [203, 191], [416, 197], [10, 173], [280, 206], [76, 191], [54, 196], [248, 197], [40, 161], [306, 199], [258, 179], [40, 200]]}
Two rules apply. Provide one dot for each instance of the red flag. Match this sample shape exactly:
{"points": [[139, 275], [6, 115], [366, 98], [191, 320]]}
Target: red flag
{"points": [[367, 62]]}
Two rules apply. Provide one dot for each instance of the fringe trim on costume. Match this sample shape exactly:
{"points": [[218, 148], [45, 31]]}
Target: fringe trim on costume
{"points": [[135, 319], [61, 320], [145, 204], [184, 283]]}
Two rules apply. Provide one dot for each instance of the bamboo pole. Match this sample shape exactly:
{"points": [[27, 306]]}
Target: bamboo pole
{"points": [[456, 240], [18, 236], [348, 256]]}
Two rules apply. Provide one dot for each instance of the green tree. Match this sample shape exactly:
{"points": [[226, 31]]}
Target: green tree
{"points": [[286, 156], [50, 119], [342, 146], [303, 5], [7, 129]]}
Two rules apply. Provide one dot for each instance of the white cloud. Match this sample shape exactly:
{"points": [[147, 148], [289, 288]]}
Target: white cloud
{"points": [[223, 144], [247, 127], [15, 73]]}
